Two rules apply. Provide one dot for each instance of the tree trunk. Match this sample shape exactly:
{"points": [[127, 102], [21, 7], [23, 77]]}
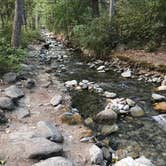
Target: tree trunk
{"points": [[112, 8], [18, 21], [95, 8]]}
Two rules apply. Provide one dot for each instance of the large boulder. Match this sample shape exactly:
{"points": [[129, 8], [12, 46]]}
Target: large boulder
{"points": [[41, 148], [55, 161], [106, 117], [49, 131], [56, 100], [6, 103], [14, 92], [96, 155], [10, 77]]}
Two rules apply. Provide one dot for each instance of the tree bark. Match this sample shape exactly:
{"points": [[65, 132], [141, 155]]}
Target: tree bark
{"points": [[112, 8], [95, 8], [18, 21]]}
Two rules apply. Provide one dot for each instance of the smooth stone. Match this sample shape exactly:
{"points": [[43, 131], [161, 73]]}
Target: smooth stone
{"points": [[50, 131], [160, 107], [55, 161], [71, 84], [14, 92], [41, 148], [6, 103], [96, 155], [109, 94], [30, 83], [126, 74], [10, 77], [137, 111], [144, 161], [56, 100], [106, 117], [158, 97], [108, 129], [130, 102]]}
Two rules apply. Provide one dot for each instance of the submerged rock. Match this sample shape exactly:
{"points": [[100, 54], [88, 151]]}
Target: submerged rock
{"points": [[55, 161], [96, 155]]}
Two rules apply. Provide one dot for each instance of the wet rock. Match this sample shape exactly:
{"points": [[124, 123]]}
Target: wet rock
{"points": [[160, 107], [30, 83], [10, 77], [108, 129], [96, 155], [130, 102], [14, 92], [50, 131], [6, 103], [71, 84], [106, 117], [56, 100], [144, 161], [3, 118], [71, 118], [126, 74], [137, 111], [161, 119], [110, 94], [41, 148], [158, 97], [55, 161]]}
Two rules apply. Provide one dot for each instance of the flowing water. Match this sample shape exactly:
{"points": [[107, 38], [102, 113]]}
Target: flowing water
{"points": [[141, 136]]}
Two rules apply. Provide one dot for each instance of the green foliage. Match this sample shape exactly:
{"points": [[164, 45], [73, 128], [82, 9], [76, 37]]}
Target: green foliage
{"points": [[10, 58]]}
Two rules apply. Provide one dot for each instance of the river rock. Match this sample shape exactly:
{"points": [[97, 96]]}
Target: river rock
{"points": [[14, 92], [71, 119], [41, 148], [130, 102], [126, 74], [6, 103], [161, 119], [110, 94], [129, 161], [56, 100], [50, 131], [160, 107], [107, 154], [100, 68], [96, 155], [71, 84], [161, 88], [10, 77], [55, 161], [106, 117], [137, 111], [108, 129], [158, 97], [30, 83], [144, 161]]}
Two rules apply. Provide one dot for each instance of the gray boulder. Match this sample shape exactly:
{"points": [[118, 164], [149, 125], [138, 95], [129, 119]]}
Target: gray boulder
{"points": [[10, 77], [49, 131], [6, 103], [55, 161], [96, 155], [14, 92], [41, 148]]}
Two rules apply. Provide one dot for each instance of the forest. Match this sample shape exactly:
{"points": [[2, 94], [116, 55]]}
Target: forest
{"points": [[82, 82]]}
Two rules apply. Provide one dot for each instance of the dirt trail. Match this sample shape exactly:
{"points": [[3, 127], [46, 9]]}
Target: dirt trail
{"points": [[38, 102]]}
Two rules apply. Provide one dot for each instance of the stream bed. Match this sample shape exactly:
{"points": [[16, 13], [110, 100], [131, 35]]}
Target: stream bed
{"points": [[139, 136]]}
